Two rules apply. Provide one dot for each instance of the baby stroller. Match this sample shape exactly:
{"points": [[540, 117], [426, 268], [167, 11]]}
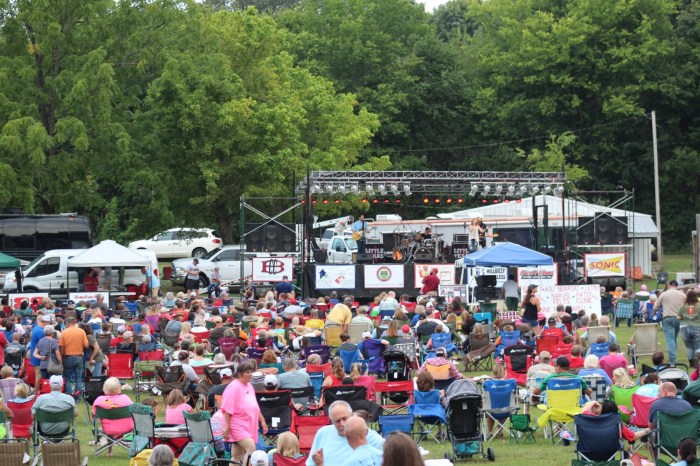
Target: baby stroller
{"points": [[463, 414], [677, 374], [397, 366]]}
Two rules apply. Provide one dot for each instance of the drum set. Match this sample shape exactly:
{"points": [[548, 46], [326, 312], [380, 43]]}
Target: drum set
{"points": [[410, 247]]}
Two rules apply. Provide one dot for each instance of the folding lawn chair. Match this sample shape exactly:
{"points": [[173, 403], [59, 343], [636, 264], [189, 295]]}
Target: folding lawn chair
{"points": [[349, 358], [7, 388], [518, 359], [373, 350], [500, 402], [66, 417], [255, 353], [599, 349], [22, 420], [355, 331], [145, 376], [520, 429], [410, 350], [394, 396], [672, 427], [317, 382], [112, 414], [169, 338], [443, 340], [280, 460], [428, 410], [276, 408], [592, 334], [200, 449], [355, 395], [144, 428], [597, 385], [61, 454], [546, 343], [396, 423], [624, 310], [305, 427], [332, 335], [507, 339], [645, 341], [691, 394], [324, 351], [598, 437], [623, 397], [563, 402], [169, 378], [441, 375], [229, 346], [121, 366], [13, 451], [480, 355]]}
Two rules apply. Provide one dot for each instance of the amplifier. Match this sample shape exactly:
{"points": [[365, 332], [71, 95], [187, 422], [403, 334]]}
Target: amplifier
{"points": [[485, 293], [460, 239], [363, 258]]}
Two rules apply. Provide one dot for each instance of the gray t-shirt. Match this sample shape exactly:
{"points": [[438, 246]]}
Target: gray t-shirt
{"points": [[511, 289], [54, 402], [294, 379], [47, 346]]}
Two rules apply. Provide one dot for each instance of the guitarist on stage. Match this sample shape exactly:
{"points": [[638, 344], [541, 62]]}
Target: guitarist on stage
{"points": [[359, 229]]}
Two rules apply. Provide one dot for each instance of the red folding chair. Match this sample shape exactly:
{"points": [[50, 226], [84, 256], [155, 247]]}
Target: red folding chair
{"points": [[518, 359], [199, 370], [555, 331], [45, 386], [325, 368], [280, 460], [640, 410], [29, 372], [394, 396], [22, 420], [561, 349], [121, 366], [200, 337], [546, 343], [305, 427]]}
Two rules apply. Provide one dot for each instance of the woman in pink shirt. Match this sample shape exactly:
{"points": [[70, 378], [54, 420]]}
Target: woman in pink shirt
{"points": [[176, 404], [113, 398], [242, 414]]}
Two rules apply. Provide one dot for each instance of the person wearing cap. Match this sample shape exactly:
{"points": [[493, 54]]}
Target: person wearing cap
{"points": [[670, 301], [440, 359], [175, 325], [544, 365], [54, 402], [259, 458], [270, 383], [226, 375], [561, 370], [120, 336], [128, 346], [431, 282], [73, 343], [552, 323]]}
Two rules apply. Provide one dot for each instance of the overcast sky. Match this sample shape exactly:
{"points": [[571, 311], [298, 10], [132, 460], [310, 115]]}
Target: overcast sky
{"points": [[431, 4]]}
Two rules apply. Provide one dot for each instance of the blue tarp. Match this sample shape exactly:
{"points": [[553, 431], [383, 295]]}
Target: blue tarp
{"points": [[507, 255]]}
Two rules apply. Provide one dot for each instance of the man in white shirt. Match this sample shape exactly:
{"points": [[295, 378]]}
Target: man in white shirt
{"points": [[511, 293]]}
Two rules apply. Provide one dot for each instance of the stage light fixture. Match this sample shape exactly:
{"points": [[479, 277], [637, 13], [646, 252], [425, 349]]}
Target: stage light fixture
{"points": [[375, 201], [382, 189], [397, 201], [314, 201], [518, 201], [437, 200], [387, 201], [507, 201], [394, 189], [336, 201], [407, 189], [325, 201], [484, 201], [499, 188], [370, 189], [523, 189], [535, 190], [425, 200], [460, 200], [495, 200], [303, 201], [487, 189], [511, 190], [364, 200], [473, 190], [448, 200], [354, 188], [547, 189]]}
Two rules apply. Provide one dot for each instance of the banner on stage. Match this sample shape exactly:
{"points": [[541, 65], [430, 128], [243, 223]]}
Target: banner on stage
{"points": [[449, 292], [586, 297], [501, 274], [330, 277], [272, 269], [446, 273], [377, 251], [540, 276], [89, 296], [605, 265], [17, 298], [385, 276]]}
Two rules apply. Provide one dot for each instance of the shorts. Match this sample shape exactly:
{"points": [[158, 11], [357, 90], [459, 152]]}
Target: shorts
{"points": [[191, 284], [533, 322]]}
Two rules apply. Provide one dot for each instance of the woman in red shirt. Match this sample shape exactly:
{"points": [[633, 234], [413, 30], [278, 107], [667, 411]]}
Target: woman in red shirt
{"points": [[91, 281]]}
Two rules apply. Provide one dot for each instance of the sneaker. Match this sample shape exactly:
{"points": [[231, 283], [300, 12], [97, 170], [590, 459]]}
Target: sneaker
{"points": [[126, 386], [423, 451]]}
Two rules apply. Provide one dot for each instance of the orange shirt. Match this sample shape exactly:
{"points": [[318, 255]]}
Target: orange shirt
{"points": [[73, 341]]}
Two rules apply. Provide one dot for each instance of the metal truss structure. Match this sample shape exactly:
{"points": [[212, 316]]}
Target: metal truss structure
{"points": [[486, 183]]}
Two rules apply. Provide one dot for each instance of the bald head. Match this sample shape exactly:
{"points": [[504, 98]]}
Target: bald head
{"points": [[356, 431], [667, 390]]}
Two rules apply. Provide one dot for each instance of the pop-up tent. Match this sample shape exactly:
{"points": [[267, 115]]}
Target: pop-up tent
{"points": [[8, 262], [109, 254], [506, 255]]}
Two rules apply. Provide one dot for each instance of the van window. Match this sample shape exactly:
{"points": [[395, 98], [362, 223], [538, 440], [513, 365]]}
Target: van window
{"points": [[46, 267], [229, 255]]}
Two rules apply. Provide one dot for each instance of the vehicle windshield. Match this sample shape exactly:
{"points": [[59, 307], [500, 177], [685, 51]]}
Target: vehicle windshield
{"points": [[352, 244], [31, 264], [211, 253]]}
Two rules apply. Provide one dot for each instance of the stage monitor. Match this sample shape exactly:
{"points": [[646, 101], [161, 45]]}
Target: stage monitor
{"points": [[486, 280]]}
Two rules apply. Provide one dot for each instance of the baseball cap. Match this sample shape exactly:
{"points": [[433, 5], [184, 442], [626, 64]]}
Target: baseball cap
{"points": [[435, 269], [366, 335], [406, 329], [121, 329], [386, 318], [193, 295], [46, 318], [270, 381], [545, 356], [259, 458], [440, 352], [56, 381], [644, 287], [128, 334], [551, 320], [226, 372]]}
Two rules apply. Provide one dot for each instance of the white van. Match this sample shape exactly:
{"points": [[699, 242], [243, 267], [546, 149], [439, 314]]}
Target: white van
{"points": [[49, 272]]}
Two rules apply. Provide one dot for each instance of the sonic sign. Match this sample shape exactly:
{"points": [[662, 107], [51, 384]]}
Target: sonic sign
{"points": [[605, 265]]}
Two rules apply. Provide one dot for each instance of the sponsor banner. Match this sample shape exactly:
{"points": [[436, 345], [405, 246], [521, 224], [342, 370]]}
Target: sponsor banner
{"points": [[377, 251], [586, 297], [17, 298], [272, 269], [384, 276], [460, 250], [542, 275], [449, 292], [87, 296], [446, 273], [331, 277], [605, 265], [501, 274]]}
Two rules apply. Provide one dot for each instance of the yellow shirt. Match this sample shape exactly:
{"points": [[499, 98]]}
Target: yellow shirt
{"points": [[340, 315]]}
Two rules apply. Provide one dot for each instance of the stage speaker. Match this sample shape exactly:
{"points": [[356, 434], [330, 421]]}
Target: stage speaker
{"points": [[610, 283], [485, 293], [364, 258], [603, 229], [586, 230], [620, 230], [423, 257], [320, 256], [270, 237], [486, 281], [460, 239]]}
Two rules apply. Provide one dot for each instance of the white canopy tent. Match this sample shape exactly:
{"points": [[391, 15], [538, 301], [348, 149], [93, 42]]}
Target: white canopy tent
{"points": [[109, 254]]}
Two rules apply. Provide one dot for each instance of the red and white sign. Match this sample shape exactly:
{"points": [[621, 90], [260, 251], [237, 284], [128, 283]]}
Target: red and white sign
{"points": [[446, 273], [384, 276], [586, 297], [272, 269], [605, 265], [334, 277], [542, 275], [87, 296], [17, 298]]}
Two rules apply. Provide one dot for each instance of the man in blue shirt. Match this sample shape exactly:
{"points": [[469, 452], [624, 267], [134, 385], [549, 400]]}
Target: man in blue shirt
{"points": [[363, 454], [330, 444], [37, 334], [152, 281], [283, 287], [359, 229]]}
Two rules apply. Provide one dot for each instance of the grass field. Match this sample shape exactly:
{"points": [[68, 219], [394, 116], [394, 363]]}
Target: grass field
{"points": [[543, 453]]}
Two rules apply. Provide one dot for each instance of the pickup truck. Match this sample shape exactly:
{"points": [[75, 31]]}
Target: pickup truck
{"points": [[339, 249], [228, 259]]}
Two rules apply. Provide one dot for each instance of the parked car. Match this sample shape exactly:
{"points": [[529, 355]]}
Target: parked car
{"points": [[228, 259], [181, 242]]}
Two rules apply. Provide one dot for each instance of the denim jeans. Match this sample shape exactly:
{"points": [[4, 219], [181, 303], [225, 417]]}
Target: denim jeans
{"points": [[671, 326], [73, 373], [691, 340], [213, 289], [97, 371]]}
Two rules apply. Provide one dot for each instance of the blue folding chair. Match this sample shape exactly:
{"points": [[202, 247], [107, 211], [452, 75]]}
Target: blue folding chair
{"points": [[373, 350], [396, 423], [443, 340], [255, 353], [598, 437], [349, 358], [508, 339], [600, 349], [430, 413], [500, 402], [483, 317], [317, 379]]}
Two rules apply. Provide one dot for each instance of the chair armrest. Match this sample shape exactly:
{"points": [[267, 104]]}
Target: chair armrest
{"points": [[624, 410], [85, 461]]}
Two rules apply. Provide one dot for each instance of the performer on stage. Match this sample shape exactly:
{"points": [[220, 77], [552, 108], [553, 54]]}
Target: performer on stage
{"points": [[427, 234], [474, 232], [359, 230], [483, 233]]}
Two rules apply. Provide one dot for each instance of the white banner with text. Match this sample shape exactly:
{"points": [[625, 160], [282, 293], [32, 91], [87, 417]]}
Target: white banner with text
{"points": [[272, 269], [384, 276], [586, 297], [446, 273], [331, 277]]}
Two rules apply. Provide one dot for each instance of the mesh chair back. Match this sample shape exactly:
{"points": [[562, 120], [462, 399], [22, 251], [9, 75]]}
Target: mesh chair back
{"points": [[332, 335], [121, 366], [103, 341], [598, 436], [499, 397], [645, 339], [12, 452], [409, 349], [280, 460], [113, 414], [7, 388], [324, 351], [199, 426], [144, 420], [349, 358], [594, 332], [93, 388], [597, 385], [22, 419], [62, 454], [641, 406], [355, 331]]}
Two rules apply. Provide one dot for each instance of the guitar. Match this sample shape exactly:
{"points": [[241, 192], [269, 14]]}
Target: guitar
{"points": [[360, 234]]}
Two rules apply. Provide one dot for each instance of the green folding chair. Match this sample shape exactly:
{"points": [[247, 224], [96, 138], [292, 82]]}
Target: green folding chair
{"points": [[145, 377], [112, 414], [623, 397], [200, 450], [520, 429], [672, 427], [42, 417], [144, 428]]}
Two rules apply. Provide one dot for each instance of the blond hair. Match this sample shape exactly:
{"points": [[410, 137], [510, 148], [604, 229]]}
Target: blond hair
{"points": [[175, 398], [287, 445]]}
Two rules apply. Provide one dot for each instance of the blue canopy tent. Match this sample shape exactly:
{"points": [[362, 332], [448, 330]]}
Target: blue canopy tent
{"points": [[506, 255]]}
